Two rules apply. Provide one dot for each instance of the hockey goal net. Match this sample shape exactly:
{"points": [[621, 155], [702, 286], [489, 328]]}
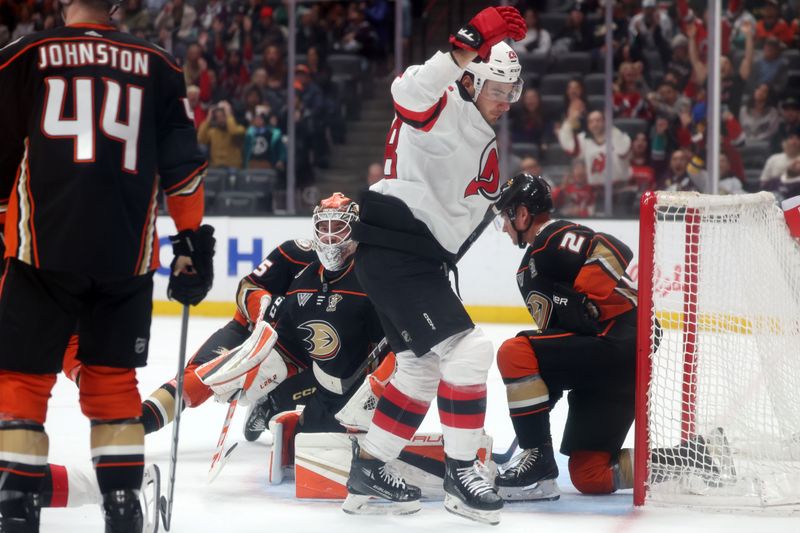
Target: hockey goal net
{"points": [[718, 372]]}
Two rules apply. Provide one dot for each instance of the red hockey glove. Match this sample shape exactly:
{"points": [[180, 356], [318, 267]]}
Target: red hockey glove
{"points": [[488, 28]]}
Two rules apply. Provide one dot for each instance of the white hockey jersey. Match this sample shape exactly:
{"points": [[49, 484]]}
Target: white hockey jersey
{"points": [[582, 145], [441, 155]]}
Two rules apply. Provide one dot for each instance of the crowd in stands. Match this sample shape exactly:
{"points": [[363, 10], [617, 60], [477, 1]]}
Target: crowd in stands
{"points": [[234, 56], [659, 102]]}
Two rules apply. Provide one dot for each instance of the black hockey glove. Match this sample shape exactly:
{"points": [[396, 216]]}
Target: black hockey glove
{"points": [[575, 311], [190, 288]]}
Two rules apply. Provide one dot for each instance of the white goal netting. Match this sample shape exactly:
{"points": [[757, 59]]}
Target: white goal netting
{"points": [[723, 402]]}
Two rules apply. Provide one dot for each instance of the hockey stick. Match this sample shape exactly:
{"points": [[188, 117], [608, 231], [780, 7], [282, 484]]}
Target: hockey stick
{"points": [[504, 457], [220, 456], [167, 501]]}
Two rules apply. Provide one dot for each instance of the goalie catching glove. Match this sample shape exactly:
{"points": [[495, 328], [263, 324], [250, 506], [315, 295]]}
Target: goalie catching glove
{"points": [[190, 286], [488, 28], [253, 367]]}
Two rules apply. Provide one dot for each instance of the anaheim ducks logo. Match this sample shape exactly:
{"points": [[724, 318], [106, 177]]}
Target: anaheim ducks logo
{"points": [[322, 340], [488, 181]]}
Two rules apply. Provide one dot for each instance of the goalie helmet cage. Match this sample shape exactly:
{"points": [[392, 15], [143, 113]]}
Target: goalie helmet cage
{"points": [[718, 355]]}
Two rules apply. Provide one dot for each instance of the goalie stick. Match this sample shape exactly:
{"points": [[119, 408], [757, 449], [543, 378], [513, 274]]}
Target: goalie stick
{"points": [[167, 501], [221, 456]]}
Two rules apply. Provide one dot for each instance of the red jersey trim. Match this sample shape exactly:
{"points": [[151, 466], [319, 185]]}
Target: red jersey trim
{"points": [[422, 120], [295, 261], [556, 232], [176, 187]]}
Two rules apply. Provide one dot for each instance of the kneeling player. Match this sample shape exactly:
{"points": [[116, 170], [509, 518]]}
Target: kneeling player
{"points": [[574, 284]]}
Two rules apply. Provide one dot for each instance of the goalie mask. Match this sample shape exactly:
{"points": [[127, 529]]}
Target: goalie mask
{"points": [[333, 219], [498, 78]]}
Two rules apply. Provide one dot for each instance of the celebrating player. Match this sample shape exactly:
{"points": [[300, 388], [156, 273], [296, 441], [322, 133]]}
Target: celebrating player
{"points": [[440, 175], [574, 284], [95, 121]]}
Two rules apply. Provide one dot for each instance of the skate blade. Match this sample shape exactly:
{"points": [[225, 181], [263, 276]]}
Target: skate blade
{"points": [[457, 507], [149, 495], [368, 505], [545, 491]]}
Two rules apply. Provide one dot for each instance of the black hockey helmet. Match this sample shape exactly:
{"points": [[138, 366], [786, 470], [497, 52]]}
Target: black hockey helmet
{"points": [[524, 189]]}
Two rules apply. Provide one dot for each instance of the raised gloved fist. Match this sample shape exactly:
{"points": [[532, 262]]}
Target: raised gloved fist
{"points": [[190, 286], [488, 28]]}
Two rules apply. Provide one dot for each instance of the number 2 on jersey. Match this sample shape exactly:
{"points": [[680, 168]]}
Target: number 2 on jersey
{"points": [[82, 127], [572, 242]]}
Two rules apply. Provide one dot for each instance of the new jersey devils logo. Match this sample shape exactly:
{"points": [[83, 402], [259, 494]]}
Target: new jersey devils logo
{"points": [[488, 181], [322, 340]]}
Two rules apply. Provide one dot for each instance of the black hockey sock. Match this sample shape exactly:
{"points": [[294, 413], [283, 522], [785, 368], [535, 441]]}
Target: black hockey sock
{"points": [[22, 477], [529, 407], [118, 454]]}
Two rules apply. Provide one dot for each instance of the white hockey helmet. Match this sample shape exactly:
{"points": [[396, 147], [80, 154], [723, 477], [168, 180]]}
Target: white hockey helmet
{"points": [[333, 218], [502, 67]]}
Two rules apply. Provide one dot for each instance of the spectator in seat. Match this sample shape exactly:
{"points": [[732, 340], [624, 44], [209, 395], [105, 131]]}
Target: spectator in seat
{"points": [[25, 23], [738, 16], [647, 22], [536, 40], [179, 18], [193, 97], [790, 121], [772, 25], [590, 147], [528, 123], [575, 197], [575, 101], [251, 105], [729, 182], [642, 174], [263, 144], [309, 31], [668, 102], [678, 63], [629, 92], [662, 143], [134, 17], [777, 164], [575, 36], [223, 136], [677, 178], [759, 118], [266, 32], [530, 165], [313, 102], [771, 68], [275, 66], [194, 65], [235, 75]]}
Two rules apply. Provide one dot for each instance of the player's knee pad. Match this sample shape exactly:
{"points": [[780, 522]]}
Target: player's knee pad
{"points": [[417, 377], [25, 396], [465, 357], [516, 359], [108, 393], [591, 472]]}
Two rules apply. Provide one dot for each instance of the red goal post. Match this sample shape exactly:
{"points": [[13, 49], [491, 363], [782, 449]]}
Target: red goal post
{"points": [[718, 353]]}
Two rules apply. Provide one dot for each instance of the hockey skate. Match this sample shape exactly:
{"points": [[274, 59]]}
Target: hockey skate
{"points": [[701, 462], [258, 416], [20, 515], [149, 497], [469, 491], [122, 511], [374, 489], [531, 476]]}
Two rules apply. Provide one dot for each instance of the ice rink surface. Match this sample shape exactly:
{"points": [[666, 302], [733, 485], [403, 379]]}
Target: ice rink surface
{"points": [[241, 500]]}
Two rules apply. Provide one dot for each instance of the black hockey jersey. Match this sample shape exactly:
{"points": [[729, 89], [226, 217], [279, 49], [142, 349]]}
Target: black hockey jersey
{"points": [[592, 263], [91, 118], [328, 323], [271, 278]]}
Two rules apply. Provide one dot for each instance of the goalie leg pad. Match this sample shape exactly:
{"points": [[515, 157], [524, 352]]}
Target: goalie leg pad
{"points": [[283, 427]]}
